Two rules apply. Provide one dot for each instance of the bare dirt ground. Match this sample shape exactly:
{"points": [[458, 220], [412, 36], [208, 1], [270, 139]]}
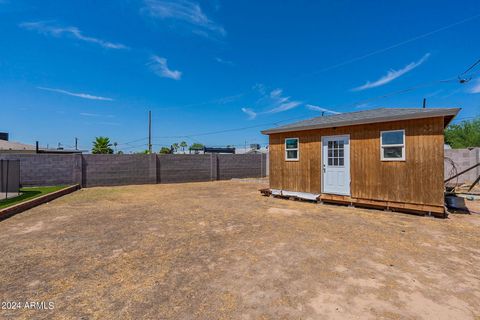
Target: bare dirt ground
{"points": [[219, 250]]}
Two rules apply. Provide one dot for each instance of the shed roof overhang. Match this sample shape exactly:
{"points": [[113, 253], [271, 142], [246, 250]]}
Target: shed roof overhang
{"points": [[367, 117]]}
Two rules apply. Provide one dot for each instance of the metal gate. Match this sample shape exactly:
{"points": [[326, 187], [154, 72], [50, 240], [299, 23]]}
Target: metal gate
{"points": [[9, 178]]}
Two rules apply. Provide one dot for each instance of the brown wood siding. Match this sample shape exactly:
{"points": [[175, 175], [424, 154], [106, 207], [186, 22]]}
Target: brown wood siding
{"points": [[417, 180]]}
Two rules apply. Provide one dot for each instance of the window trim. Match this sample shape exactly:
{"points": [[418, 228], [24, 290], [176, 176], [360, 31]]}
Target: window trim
{"points": [[382, 146], [292, 149]]}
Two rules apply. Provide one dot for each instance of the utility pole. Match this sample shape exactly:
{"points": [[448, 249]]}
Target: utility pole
{"points": [[76, 143], [149, 131]]}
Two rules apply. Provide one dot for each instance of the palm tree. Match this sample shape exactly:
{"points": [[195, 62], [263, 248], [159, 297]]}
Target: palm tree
{"points": [[183, 145], [175, 146], [102, 145]]}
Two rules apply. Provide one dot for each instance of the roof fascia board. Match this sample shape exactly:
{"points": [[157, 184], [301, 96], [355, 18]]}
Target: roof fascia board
{"points": [[436, 113]]}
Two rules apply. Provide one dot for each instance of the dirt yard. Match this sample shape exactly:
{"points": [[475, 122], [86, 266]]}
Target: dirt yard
{"points": [[220, 250]]}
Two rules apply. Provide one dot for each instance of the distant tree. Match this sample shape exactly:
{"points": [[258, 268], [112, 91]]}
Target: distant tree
{"points": [[465, 134], [115, 146], [196, 147], [102, 145], [175, 146], [183, 145], [120, 152], [165, 150]]}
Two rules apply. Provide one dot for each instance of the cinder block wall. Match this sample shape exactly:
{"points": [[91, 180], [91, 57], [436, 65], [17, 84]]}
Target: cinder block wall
{"points": [[47, 169], [241, 165], [463, 159], [109, 170], [118, 169], [206, 167], [174, 168]]}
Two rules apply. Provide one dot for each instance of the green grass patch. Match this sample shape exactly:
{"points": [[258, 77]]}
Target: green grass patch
{"points": [[28, 194]]}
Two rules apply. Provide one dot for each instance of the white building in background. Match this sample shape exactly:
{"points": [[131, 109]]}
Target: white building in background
{"points": [[263, 149]]}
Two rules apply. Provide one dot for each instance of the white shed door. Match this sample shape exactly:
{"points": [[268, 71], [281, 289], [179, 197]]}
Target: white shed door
{"points": [[336, 165]]}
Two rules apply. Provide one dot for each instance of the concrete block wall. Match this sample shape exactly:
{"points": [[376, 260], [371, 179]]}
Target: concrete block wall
{"points": [[47, 169], [109, 170], [463, 159], [118, 169], [241, 166], [173, 168]]}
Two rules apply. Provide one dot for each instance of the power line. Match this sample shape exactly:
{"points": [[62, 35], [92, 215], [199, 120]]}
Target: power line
{"points": [[129, 142], [190, 136], [393, 93], [226, 130], [358, 102], [464, 77], [471, 67], [389, 94], [132, 147], [399, 44]]}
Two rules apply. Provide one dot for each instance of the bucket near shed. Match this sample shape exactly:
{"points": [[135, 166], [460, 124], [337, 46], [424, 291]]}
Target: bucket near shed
{"points": [[456, 203]]}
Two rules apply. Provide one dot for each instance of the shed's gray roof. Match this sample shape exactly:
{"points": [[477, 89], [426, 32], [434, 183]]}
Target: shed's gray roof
{"points": [[365, 117]]}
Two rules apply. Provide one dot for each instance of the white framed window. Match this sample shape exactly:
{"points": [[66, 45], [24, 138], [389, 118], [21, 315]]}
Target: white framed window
{"points": [[392, 145], [291, 149]]}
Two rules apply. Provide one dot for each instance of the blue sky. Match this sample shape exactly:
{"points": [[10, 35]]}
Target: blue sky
{"points": [[88, 68]]}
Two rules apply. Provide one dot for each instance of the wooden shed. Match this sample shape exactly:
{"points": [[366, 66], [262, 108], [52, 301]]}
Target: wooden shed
{"points": [[388, 158]]}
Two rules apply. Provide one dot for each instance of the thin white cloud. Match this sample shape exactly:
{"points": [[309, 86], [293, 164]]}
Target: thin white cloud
{"points": [[79, 95], [363, 106], [251, 114], [281, 103], [86, 114], [273, 102], [185, 11], [392, 75], [56, 31], [160, 67], [107, 123], [260, 87], [217, 101], [277, 94], [222, 61], [227, 99], [320, 109], [284, 107], [475, 88]]}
